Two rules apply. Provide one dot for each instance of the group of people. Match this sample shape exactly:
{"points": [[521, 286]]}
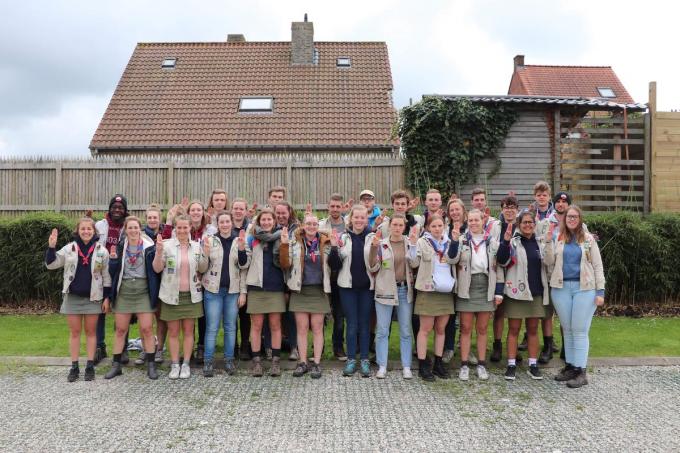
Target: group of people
{"points": [[275, 277]]}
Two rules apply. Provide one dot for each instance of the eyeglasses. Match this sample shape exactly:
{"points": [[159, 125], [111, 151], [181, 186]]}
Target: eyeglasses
{"points": [[510, 207], [573, 217]]}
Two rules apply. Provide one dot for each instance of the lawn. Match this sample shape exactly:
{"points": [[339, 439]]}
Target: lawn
{"points": [[47, 335]]}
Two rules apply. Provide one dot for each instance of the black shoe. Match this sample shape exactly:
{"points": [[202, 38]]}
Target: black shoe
{"points": [[100, 354], [208, 370], [497, 351], [546, 354], [523, 345], [510, 373], [245, 352], [579, 380], [89, 374], [124, 358], [567, 373], [425, 372], [116, 370], [555, 348], [151, 371], [518, 358], [439, 369], [229, 366], [340, 354], [199, 354], [315, 372], [73, 374], [534, 373], [563, 356], [300, 370]]}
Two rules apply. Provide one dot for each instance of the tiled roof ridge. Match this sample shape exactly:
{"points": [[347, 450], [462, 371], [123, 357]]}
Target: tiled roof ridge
{"points": [[222, 43], [564, 66]]}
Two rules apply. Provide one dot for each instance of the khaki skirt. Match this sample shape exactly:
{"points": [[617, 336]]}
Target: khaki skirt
{"points": [[310, 299], [133, 297], [431, 303], [185, 309], [523, 309], [479, 284], [78, 305], [262, 302]]}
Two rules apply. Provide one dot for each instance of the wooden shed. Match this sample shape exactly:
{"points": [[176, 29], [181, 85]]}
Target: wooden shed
{"points": [[595, 149]]}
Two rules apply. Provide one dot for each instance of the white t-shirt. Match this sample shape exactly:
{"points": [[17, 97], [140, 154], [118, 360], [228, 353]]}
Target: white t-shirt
{"points": [[479, 264]]}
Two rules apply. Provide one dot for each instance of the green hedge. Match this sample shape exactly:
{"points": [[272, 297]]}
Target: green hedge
{"points": [[640, 257]]}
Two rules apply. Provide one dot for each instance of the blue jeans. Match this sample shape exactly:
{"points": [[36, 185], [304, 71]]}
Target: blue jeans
{"points": [[575, 309], [450, 334], [384, 316], [101, 330], [220, 306], [357, 305]]}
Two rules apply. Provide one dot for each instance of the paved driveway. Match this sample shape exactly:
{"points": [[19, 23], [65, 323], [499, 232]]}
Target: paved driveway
{"points": [[623, 409]]}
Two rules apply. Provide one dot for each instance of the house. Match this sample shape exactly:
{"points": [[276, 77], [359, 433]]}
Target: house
{"points": [[588, 82], [297, 105]]}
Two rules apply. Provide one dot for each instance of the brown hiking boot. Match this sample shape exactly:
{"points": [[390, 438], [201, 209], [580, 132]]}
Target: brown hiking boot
{"points": [[567, 373], [256, 367], [275, 371]]}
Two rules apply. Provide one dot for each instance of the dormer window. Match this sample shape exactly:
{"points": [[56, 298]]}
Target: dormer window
{"points": [[256, 104], [606, 92], [169, 63], [343, 62]]}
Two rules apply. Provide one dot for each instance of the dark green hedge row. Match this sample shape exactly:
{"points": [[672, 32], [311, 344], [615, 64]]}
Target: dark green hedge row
{"points": [[641, 256]]}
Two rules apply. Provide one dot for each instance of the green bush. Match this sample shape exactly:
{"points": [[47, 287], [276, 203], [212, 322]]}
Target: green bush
{"points": [[23, 242], [640, 257]]}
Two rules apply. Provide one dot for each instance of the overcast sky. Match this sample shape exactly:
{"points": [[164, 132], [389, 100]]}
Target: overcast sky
{"points": [[61, 60]]}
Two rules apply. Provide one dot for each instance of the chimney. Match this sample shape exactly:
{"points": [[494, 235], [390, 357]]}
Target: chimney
{"points": [[518, 62], [302, 42], [236, 38]]}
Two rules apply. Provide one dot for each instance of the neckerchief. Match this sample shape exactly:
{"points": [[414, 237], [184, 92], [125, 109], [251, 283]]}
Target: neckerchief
{"points": [[132, 257], [311, 247], [196, 235], [85, 258], [485, 238], [435, 245], [113, 235]]}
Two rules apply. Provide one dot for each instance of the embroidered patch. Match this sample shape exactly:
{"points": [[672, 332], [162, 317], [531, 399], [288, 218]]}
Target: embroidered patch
{"points": [[509, 283], [514, 290], [522, 287]]}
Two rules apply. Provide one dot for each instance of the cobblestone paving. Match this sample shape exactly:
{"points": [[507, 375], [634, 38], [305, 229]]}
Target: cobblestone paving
{"points": [[623, 409]]}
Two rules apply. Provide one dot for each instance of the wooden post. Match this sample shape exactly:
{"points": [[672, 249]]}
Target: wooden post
{"points": [[557, 168], [170, 185], [648, 163], [652, 154], [58, 189]]}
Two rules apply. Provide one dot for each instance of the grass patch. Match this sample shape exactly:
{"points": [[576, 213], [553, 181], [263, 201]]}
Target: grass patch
{"points": [[47, 335]]}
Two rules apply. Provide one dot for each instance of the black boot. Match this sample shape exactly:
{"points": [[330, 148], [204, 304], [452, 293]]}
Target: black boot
{"points": [[546, 353], [439, 368], [579, 380], [425, 370], [151, 366], [116, 370], [73, 374], [497, 351], [567, 373]]}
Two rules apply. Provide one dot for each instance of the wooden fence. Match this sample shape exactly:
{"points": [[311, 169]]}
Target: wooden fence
{"points": [[72, 186], [665, 160]]}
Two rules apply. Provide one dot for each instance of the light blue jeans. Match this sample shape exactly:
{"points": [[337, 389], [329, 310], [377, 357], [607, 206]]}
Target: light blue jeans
{"points": [[384, 320], [220, 306], [576, 308]]}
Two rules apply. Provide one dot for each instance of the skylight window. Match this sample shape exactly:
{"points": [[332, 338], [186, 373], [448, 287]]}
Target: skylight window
{"points": [[606, 92], [256, 104], [169, 63], [343, 62]]}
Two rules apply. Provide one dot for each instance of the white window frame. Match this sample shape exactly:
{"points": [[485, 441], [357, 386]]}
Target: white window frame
{"points": [[343, 65], [601, 89], [165, 64], [255, 106]]}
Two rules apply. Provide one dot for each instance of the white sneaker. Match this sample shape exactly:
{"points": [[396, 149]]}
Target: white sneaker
{"points": [[406, 373], [472, 359], [382, 373], [159, 355], [186, 371], [464, 373], [141, 358], [448, 355], [482, 374], [174, 371]]}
